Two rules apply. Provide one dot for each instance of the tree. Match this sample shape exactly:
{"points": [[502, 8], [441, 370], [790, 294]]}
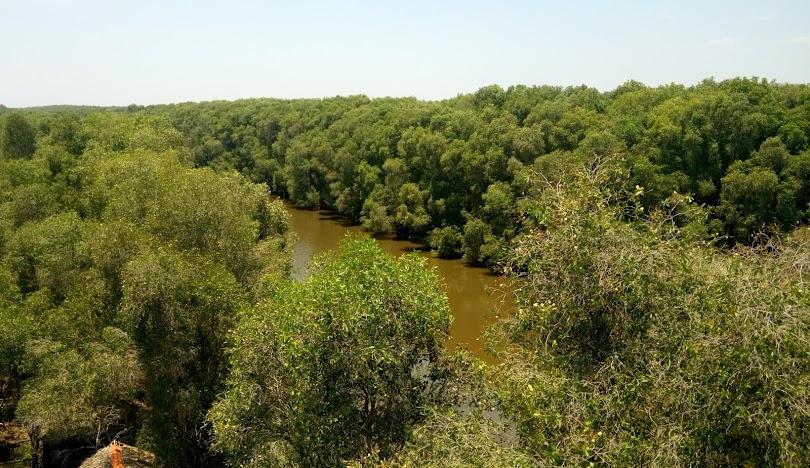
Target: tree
{"points": [[446, 241], [178, 307], [17, 139], [45, 255], [447, 440], [335, 367], [500, 209], [476, 235], [747, 201], [121, 270], [492, 95], [86, 392], [16, 329], [374, 215], [410, 216], [65, 130]]}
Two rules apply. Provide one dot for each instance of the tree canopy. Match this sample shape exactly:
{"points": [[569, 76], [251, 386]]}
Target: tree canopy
{"points": [[122, 271], [411, 167]]}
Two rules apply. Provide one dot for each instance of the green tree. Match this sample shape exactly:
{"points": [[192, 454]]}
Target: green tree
{"points": [[410, 215], [329, 369], [178, 308], [120, 274], [374, 215], [16, 329], [446, 241], [65, 131], [748, 200], [446, 440], [17, 139], [87, 392], [500, 209], [45, 255], [476, 235]]}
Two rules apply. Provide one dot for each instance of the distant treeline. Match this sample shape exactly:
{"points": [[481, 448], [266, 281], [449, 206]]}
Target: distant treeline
{"points": [[72, 109], [453, 171]]}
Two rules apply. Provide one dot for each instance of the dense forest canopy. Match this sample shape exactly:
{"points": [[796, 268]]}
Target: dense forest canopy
{"points": [[123, 270], [656, 237], [453, 171]]}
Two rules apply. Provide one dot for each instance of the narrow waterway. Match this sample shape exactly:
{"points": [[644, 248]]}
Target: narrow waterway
{"points": [[476, 295]]}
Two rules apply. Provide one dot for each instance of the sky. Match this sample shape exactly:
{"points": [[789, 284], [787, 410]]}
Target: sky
{"points": [[121, 52]]}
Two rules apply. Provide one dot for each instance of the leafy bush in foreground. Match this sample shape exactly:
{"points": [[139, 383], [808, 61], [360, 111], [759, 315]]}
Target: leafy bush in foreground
{"points": [[635, 345]]}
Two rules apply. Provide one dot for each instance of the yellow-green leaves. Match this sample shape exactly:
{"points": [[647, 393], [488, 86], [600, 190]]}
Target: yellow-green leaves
{"points": [[328, 368]]}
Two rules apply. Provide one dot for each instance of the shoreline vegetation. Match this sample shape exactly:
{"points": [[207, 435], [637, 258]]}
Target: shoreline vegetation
{"points": [[657, 236]]}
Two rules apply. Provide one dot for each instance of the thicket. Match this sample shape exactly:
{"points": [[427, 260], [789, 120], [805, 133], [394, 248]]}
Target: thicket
{"points": [[637, 344]]}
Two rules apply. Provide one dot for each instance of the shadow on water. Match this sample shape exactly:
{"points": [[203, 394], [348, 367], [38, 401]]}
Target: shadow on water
{"points": [[336, 218], [476, 295]]}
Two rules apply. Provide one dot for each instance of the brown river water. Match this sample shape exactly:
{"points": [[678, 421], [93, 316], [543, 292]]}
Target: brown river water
{"points": [[475, 294]]}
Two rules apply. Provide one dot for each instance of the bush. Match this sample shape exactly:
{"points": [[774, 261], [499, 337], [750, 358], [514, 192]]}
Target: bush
{"points": [[635, 346], [446, 242]]}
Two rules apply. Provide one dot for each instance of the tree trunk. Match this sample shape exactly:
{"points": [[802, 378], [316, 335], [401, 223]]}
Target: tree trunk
{"points": [[37, 452]]}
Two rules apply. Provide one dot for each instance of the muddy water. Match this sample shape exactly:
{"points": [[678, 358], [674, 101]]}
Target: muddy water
{"points": [[475, 294]]}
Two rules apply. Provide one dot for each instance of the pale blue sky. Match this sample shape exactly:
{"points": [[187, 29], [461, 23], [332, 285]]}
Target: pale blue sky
{"points": [[108, 52]]}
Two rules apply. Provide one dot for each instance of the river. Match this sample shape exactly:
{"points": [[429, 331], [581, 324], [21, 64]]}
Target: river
{"points": [[475, 294]]}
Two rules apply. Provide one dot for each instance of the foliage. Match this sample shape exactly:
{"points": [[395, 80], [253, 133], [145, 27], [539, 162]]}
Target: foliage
{"points": [[178, 308], [446, 242], [328, 369], [636, 345], [763, 193], [121, 270], [408, 167], [662, 316], [82, 393], [17, 136], [451, 441]]}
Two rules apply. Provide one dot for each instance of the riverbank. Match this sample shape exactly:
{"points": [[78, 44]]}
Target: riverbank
{"points": [[476, 295]]}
